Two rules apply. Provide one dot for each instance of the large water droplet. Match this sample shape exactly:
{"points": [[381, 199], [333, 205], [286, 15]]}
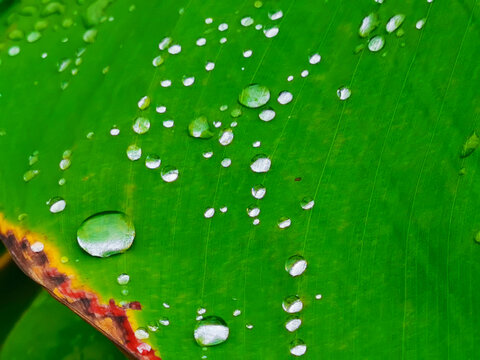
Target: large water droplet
{"points": [[169, 174], [292, 304], [260, 164], [56, 204], [394, 23], [369, 23], [200, 128], [106, 233], [254, 96], [210, 331], [298, 347], [296, 265]]}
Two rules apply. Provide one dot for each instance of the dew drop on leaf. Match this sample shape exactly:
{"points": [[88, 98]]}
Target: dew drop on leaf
{"points": [[470, 145], [260, 164], [284, 223], [56, 204], [134, 152], [253, 211], [37, 246], [344, 93], [123, 279], [376, 43], [284, 97], [293, 324], [30, 174], [271, 32], [169, 174], [296, 265], [307, 203], [314, 59], [246, 21], [259, 191], [394, 23], [369, 23], [157, 61], [152, 161], [292, 304], [106, 233], [226, 137], [210, 331], [298, 347], [144, 102], [200, 128], [267, 114], [141, 334], [254, 96], [209, 213]]}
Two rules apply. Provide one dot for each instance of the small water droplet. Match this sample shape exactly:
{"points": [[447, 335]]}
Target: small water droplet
{"points": [[226, 137], [141, 334], [134, 152], [56, 204], [254, 96], [166, 83], [298, 347], [284, 97], [37, 247], [226, 162], [267, 114], [369, 23], [304, 73], [169, 174], [256, 144], [256, 221], [153, 161], [188, 81], [33, 36], [246, 21], [249, 326], [14, 50], [201, 42], [376, 43], [161, 109], [168, 123], [296, 265], [293, 324], [123, 279], [394, 23], [259, 191], [318, 296], [141, 125], [271, 32], [253, 211], [114, 131], [236, 312], [165, 43], [157, 61], [275, 15], [260, 164], [63, 65], [314, 59], [210, 66], [420, 23], [209, 213], [470, 145], [284, 223], [144, 102], [65, 164], [344, 93], [208, 20], [223, 27], [90, 35], [223, 40], [106, 233], [307, 203], [292, 304], [207, 155], [175, 49], [30, 174], [61, 181], [223, 209], [164, 321], [200, 128], [210, 331]]}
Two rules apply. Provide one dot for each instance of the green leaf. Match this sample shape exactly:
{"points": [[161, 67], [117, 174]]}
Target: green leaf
{"points": [[48, 330], [369, 129]]}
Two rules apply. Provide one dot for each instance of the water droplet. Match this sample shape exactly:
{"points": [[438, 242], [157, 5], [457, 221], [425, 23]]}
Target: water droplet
{"points": [[307, 203], [223, 40], [246, 21], [271, 32], [141, 125], [259, 191], [134, 152], [267, 114], [284, 223], [106, 233], [260, 164], [256, 221], [249, 326], [235, 113], [157, 61], [376, 43], [166, 305], [223, 209], [223, 27], [369, 23], [209, 213], [276, 15], [14, 50], [344, 93], [226, 137], [123, 279], [37, 247], [208, 20], [293, 324], [64, 164], [290, 78], [141, 334], [30, 174], [175, 49], [169, 174], [207, 155], [298, 347], [63, 65], [394, 23], [314, 59], [210, 331], [56, 204], [226, 162], [247, 53], [188, 81], [33, 36], [153, 328], [285, 97], [201, 42], [318, 296], [165, 43], [470, 145], [254, 96], [161, 109], [253, 211], [200, 128], [61, 181], [296, 265], [292, 304], [256, 144], [210, 66], [164, 321], [114, 131], [144, 103], [90, 35], [165, 83], [304, 73], [236, 312], [420, 23], [152, 161], [168, 123]]}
